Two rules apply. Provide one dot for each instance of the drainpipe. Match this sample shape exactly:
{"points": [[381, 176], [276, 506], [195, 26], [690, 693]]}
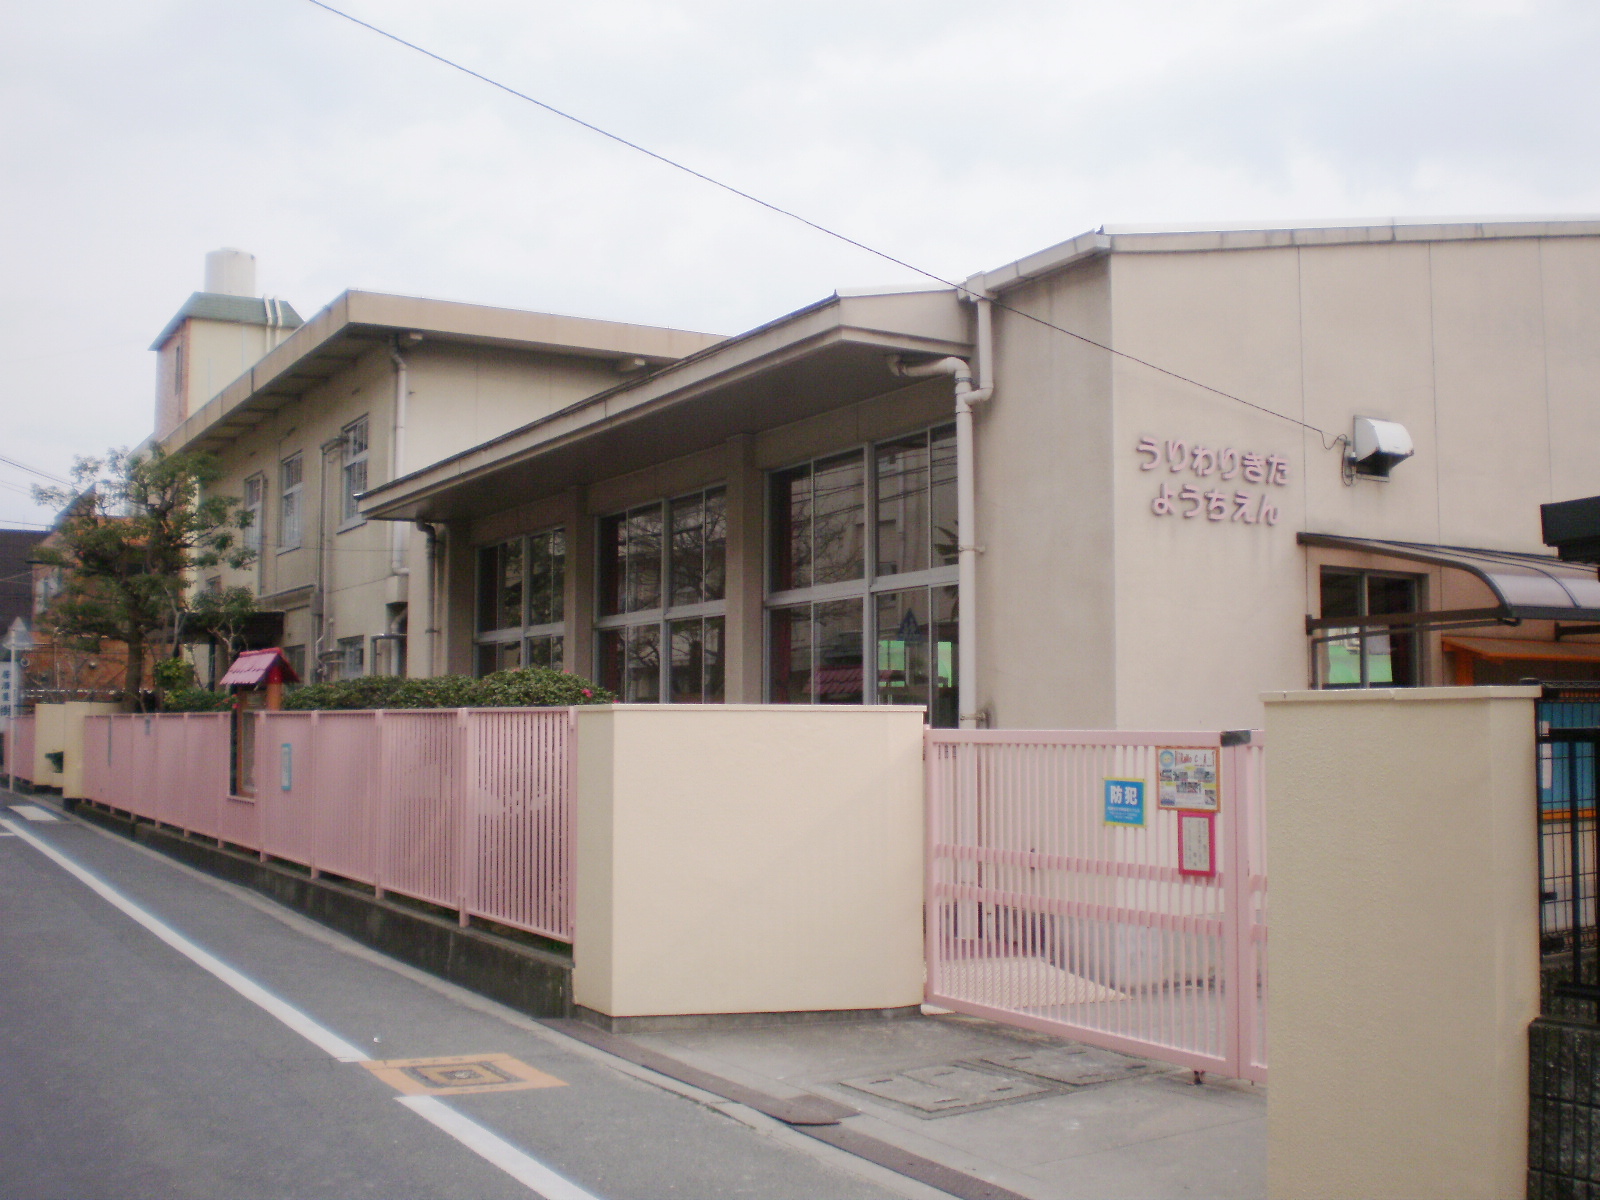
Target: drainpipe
{"points": [[429, 632], [319, 597], [966, 507], [397, 448]]}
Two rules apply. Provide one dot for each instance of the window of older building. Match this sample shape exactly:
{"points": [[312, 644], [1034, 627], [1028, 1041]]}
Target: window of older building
{"points": [[255, 490], [291, 477], [354, 471], [521, 603], [662, 588], [861, 573], [1369, 655]]}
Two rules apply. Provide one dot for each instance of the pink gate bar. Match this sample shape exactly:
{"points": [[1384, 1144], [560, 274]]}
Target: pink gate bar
{"points": [[1045, 913], [468, 809]]}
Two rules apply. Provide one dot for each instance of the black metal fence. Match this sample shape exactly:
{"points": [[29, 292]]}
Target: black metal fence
{"points": [[1569, 850]]}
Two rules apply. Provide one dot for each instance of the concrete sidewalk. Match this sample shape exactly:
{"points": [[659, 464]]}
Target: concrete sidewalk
{"points": [[1040, 1116]]}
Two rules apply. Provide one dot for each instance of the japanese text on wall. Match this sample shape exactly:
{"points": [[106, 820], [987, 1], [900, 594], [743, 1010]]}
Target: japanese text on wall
{"points": [[1214, 466]]}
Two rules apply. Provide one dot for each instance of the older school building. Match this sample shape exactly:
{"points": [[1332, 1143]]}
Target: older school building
{"points": [[1132, 481]]}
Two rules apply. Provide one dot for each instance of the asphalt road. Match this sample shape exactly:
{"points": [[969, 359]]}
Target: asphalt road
{"points": [[131, 1070]]}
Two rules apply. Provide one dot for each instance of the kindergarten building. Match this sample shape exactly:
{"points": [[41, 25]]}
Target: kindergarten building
{"points": [[1132, 481]]}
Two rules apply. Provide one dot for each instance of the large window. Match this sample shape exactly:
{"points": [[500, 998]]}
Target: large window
{"points": [[1369, 655], [662, 589], [861, 574], [255, 489], [354, 473], [291, 476], [521, 603]]}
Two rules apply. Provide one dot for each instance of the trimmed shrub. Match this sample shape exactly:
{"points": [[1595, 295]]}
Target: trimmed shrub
{"points": [[195, 699], [530, 687], [536, 687], [439, 691]]}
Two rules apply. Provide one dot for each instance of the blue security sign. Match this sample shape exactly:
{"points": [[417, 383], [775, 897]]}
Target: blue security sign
{"points": [[1124, 802]]}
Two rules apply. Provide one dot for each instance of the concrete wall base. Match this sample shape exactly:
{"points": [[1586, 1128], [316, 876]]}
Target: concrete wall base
{"points": [[754, 1020], [531, 980]]}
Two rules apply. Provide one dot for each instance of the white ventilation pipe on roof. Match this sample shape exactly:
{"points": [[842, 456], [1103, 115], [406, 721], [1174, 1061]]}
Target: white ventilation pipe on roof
{"points": [[966, 506]]}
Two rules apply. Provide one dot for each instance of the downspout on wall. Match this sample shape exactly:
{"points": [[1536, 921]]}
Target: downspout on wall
{"points": [[397, 451], [430, 633], [966, 500]]}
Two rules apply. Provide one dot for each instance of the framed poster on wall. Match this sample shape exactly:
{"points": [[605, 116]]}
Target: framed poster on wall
{"points": [[1197, 849], [1187, 778]]}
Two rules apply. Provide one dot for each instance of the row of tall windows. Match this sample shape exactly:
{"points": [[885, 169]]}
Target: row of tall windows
{"points": [[662, 600], [354, 444], [861, 564], [861, 583], [521, 603]]}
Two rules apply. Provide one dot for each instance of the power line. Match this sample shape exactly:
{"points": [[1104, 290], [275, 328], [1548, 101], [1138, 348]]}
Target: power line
{"points": [[11, 462], [823, 229]]}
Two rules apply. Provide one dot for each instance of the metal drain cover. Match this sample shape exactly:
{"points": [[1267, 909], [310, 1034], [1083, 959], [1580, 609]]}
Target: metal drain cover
{"points": [[1077, 1067], [948, 1087]]}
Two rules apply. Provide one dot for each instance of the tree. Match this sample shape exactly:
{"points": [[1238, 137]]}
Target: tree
{"points": [[131, 534], [224, 614]]}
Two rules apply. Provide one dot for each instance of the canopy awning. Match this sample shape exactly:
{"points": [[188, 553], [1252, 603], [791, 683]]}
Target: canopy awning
{"points": [[255, 667], [1525, 587]]}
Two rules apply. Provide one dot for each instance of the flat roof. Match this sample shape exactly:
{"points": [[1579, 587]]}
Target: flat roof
{"points": [[1261, 235], [357, 321], [825, 356]]}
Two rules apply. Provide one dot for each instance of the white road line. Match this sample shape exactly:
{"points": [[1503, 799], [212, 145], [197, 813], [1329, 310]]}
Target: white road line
{"points": [[34, 813], [490, 1146], [529, 1172]]}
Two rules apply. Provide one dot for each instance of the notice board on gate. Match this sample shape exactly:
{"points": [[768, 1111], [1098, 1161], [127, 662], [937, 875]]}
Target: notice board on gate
{"points": [[1187, 778]]}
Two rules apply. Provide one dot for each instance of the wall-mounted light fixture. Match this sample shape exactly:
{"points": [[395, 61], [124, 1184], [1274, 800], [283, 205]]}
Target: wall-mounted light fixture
{"points": [[1375, 447]]}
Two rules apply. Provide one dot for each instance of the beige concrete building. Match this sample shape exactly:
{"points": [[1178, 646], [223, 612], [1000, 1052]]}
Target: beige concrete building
{"points": [[1162, 518], [371, 388]]}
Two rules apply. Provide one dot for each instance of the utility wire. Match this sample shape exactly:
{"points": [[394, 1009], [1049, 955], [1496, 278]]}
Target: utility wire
{"points": [[11, 462], [823, 229]]}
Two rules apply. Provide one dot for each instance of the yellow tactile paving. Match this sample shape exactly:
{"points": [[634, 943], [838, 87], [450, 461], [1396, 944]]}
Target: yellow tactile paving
{"points": [[460, 1074]]}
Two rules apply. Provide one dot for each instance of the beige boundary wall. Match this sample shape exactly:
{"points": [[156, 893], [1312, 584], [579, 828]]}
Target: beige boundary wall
{"points": [[1405, 941], [59, 727], [748, 858]]}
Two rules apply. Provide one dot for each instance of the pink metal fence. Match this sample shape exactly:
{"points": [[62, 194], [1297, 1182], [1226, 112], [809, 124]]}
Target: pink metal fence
{"points": [[468, 809], [19, 748], [1045, 914]]}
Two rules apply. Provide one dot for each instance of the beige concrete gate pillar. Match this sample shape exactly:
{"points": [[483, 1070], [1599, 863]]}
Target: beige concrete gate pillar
{"points": [[1405, 941]]}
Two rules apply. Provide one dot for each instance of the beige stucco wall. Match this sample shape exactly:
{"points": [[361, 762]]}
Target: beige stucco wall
{"points": [[49, 735], [747, 859], [1097, 612], [459, 395], [1405, 932]]}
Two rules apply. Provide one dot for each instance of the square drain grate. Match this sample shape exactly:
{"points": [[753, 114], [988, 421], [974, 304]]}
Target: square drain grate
{"points": [[946, 1088]]}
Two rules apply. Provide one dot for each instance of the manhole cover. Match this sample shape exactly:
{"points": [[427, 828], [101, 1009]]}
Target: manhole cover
{"points": [[948, 1087], [1075, 1066]]}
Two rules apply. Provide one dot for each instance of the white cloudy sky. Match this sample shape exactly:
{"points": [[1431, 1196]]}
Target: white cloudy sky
{"points": [[959, 136]]}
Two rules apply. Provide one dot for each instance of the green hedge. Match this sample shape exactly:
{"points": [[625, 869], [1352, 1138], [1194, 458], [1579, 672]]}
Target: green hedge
{"points": [[195, 699], [532, 687]]}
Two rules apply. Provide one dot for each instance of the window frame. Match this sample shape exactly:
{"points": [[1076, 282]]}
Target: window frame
{"points": [[664, 615], [869, 587], [523, 634], [349, 507], [291, 498], [1324, 638], [255, 536]]}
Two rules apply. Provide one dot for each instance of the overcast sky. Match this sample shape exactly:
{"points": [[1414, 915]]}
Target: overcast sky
{"points": [[958, 136]]}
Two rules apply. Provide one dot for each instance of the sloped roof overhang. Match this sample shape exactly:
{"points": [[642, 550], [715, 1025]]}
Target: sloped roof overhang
{"points": [[357, 322], [824, 357], [1525, 587]]}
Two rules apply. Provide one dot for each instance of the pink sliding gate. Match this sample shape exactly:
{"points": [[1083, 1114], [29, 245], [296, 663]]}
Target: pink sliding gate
{"points": [[1044, 913], [468, 809]]}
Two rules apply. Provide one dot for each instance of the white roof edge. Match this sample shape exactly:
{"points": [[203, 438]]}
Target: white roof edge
{"points": [[889, 289], [1250, 235]]}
